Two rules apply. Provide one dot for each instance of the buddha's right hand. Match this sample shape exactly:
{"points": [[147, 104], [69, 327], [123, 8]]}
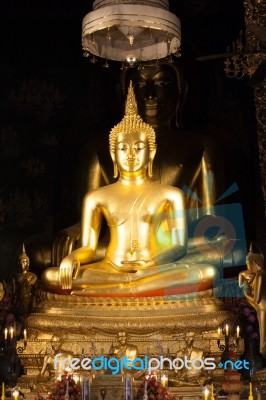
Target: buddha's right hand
{"points": [[68, 271], [64, 243]]}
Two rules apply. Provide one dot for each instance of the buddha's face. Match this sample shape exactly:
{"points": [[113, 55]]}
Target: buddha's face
{"points": [[24, 264], [156, 90], [132, 152], [122, 339], [189, 340]]}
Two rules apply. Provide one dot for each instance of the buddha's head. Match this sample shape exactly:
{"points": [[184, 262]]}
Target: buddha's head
{"points": [[56, 342], [160, 89], [122, 338], [132, 141], [24, 260], [189, 338]]}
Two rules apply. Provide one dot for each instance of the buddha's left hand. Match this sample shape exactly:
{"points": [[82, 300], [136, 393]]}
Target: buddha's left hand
{"points": [[68, 270]]}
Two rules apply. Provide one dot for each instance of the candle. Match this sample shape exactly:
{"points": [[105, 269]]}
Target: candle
{"points": [[145, 387], [219, 333], [3, 388], [67, 385], [212, 392], [206, 393], [226, 330], [237, 331], [250, 392], [164, 380], [25, 334], [16, 394], [5, 333], [11, 333]]}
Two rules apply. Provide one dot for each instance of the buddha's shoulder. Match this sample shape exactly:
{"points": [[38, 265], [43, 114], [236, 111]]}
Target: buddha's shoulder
{"points": [[101, 191], [161, 189]]}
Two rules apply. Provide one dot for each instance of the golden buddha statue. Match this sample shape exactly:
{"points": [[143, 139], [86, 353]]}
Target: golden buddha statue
{"points": [[192, 376], [246, 277], [148, 253], [53, 348], [184, 158], [123, 348], [253, 281], [25, 282]]}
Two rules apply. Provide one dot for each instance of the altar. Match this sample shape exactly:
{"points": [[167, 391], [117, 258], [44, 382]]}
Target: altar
{"points": [[79, 327], [153, 316]]}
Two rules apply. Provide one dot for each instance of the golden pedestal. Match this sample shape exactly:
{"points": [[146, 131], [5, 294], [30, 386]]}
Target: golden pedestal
{"points": [[83, 316], [259, 384], [91, 326]]}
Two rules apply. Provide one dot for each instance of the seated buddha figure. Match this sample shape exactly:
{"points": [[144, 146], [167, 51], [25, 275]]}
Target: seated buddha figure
{"points": [[184, 158], [148, 250]]}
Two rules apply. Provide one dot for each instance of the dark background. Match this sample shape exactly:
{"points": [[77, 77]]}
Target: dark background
{"points": [[52, 99]]}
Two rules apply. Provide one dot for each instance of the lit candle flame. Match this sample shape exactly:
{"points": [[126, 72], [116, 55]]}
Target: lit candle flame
{"points": [[11, 333], [226, 330], [237, 331], [16, 394]]}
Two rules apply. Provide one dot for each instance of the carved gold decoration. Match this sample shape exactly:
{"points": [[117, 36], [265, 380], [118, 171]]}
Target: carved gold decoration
{"points": [[255, 16]]}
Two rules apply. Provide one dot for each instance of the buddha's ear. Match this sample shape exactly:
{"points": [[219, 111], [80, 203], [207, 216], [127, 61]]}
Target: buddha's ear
{"points": [[153, 152], [151, 158], [112, 153], [115, 170]]}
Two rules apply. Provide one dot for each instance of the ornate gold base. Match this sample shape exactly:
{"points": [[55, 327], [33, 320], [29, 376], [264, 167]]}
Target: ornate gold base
{"points": [[89, 327], [259, 384], [74, 315]]}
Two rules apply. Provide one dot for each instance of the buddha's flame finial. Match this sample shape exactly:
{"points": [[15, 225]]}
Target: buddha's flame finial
{"points": [[131, 103], [132, 122]]}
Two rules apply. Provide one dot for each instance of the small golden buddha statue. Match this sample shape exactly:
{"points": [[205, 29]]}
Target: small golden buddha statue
{"points": [[123, 348], [25, 282], [148, 253], [246, 277], [192, 376], [55, 347], [255, 291]]}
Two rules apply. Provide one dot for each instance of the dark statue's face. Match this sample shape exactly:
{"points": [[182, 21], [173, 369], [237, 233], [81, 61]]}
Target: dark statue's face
{"points": [[156, 90]]}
